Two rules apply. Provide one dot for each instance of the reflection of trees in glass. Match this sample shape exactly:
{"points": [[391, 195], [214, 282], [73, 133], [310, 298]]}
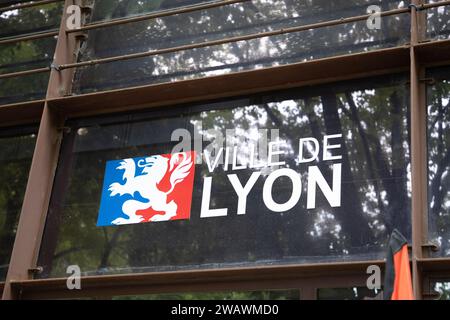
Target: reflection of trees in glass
{"points": [[223, 22], [27, 55], [438, 22], [15, 160], [373, 118], [30, 20], [442, 288], [439, 159], [355, 293], [380, 190], [233, 295]]}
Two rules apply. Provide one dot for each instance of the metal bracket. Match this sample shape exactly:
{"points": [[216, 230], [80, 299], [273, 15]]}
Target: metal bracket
{"points": [[85, 9], [64, 129], [55, 67], [81, 36], [84, 4], [430, 81], [416, 7], [431, 246], [431, 295], [36, 270]]}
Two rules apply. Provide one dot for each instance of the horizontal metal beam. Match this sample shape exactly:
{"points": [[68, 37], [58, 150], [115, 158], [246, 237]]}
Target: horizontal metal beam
{"points": [[319, 71], [32, 36], [433, 53], [230, 40], [21, 113], [436, 265], [180, 281], [154, 15], [27, 5]]}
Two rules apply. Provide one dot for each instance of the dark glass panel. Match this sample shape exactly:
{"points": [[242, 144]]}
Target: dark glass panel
{"points": [[16, 151], [30, 20], [24, 88], [26, 55], [373, 117], [12, 2], [237, 56], [232, 295], [439, 159], [443, 289], [307, 9], [113, 9], [355, 293], [5, 3], [29, 54], [438, 22], [225, 22]]}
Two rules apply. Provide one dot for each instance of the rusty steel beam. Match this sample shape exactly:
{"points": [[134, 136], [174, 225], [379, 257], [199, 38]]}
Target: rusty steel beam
{"points": [[43, 166], [312, 72], [317, 275], [418, 153], [21, 113]]}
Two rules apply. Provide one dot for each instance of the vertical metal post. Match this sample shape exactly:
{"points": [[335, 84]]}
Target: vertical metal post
{"points": [[43, 167], [418, 151], [308, 291]]}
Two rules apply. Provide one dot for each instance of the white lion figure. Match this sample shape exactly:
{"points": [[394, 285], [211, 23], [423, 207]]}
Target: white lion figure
{"points": [[155, 168]]}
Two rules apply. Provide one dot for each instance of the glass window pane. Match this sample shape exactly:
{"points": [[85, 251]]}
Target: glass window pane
{"points": [[5, 3], [443, 289], [113, 9], [225, 22], [232, 57], [222, 22], [24, 88], [232, 295], [311, 9], [28, 54], [354, 293], [16, 151], [438, 22], [373, 118], [30, 20], [439, 159]]}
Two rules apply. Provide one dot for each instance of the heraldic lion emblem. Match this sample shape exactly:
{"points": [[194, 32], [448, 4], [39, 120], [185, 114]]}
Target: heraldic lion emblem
{"points": [[146, 189]]}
